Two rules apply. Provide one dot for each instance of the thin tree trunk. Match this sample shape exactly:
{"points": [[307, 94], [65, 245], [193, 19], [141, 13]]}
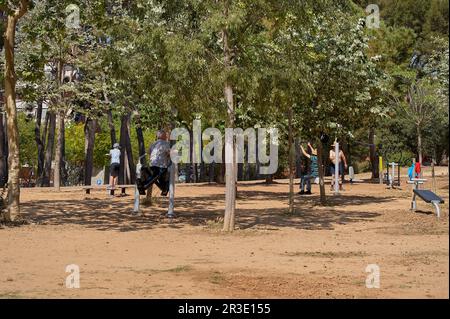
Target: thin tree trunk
{"points": [[212, 172], [112, 129], [40, 182], [59, 151], [3, 153], [89, 142], [373, 159], [49, 150], [127, 169], [323, 198], [39, 143], [230, 193], [64, 173], [291, 163], [131, 166], [13, 207], [419, 144], [140, 136]]}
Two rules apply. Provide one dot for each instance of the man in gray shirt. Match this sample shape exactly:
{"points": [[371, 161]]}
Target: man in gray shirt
{"points": [[159, 164]]}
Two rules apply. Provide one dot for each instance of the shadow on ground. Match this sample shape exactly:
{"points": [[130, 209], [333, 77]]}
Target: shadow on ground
{"points": [[101, 214]]}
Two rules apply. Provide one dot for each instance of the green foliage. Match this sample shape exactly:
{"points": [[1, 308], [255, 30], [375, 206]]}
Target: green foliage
{"points": [[28, 150]]}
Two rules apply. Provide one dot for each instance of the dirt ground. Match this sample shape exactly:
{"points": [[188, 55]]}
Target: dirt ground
{"points": [[320, 252]]}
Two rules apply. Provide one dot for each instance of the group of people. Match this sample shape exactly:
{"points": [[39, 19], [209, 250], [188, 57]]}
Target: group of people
{"points": [[313, 172], [156, 173]]}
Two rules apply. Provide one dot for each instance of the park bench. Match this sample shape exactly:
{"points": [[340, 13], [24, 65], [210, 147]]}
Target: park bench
{"points": [[426, 195], [123, 188]]}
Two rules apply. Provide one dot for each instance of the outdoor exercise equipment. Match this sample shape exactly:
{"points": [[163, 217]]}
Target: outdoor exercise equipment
{"points": [[336, 168], [137, 196], [426, 195], [390, 177], [351, 173]]}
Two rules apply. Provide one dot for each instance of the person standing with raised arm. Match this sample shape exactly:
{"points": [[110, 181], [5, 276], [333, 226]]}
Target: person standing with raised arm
{"points": [[314, 170]]}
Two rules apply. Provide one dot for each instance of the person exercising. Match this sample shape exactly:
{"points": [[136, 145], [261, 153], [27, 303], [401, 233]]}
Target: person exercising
{"points": [[115, 166], [342, 165], [159, 164], [314, 170]]}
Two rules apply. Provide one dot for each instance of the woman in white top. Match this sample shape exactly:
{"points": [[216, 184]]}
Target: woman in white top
{"points": [[115, 165]]}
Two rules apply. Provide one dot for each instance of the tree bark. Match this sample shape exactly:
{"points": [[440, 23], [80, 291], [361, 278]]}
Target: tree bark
{"points": [[323, 198], [39, 143], [112, 129], [89, 143], [127, 169], [373, 160], [45, 180], [291, 162], [419, 144], [59, 151], [230, 168], [3, 153], [140, 136], [13, 207]]}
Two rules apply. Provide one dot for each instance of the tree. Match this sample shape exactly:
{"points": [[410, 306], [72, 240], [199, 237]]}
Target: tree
{"points": [[15, 12]]}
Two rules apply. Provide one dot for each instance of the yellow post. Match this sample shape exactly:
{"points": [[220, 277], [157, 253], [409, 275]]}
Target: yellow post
{"points": [[380, 168]]}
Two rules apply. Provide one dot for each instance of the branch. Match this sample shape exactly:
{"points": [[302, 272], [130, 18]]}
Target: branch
{"points": [[22, 10]]}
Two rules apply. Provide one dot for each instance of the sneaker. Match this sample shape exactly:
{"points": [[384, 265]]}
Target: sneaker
{"points": [[301, 193], [308, 193]]}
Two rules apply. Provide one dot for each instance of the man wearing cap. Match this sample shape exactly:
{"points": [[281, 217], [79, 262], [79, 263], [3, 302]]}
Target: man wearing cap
{"points": [[159, 164], [115, 165]]}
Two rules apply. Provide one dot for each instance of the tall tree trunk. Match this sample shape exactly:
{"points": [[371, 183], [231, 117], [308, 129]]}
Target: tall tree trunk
{"points": [[373, 160], [112, 129], [140, 136], [13, 207], [230, 179], [127, 169], [64, 173], [3, 153], [291, 162], [131, 166], [59, 151], [49, 150], [39, 142], [212, 172], [43, 138], [89, 143], [419, 144], [323, 198], [257, 164]]}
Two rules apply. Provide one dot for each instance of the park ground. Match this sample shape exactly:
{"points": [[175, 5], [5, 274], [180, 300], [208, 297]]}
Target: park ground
{"points": [[320, 252]]}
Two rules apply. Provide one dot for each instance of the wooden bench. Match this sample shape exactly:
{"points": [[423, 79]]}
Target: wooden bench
{"points": [[123, 188]]}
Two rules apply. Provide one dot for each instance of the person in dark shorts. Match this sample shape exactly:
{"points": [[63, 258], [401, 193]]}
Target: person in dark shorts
{"points": [[158, 173], [115, 166]]}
